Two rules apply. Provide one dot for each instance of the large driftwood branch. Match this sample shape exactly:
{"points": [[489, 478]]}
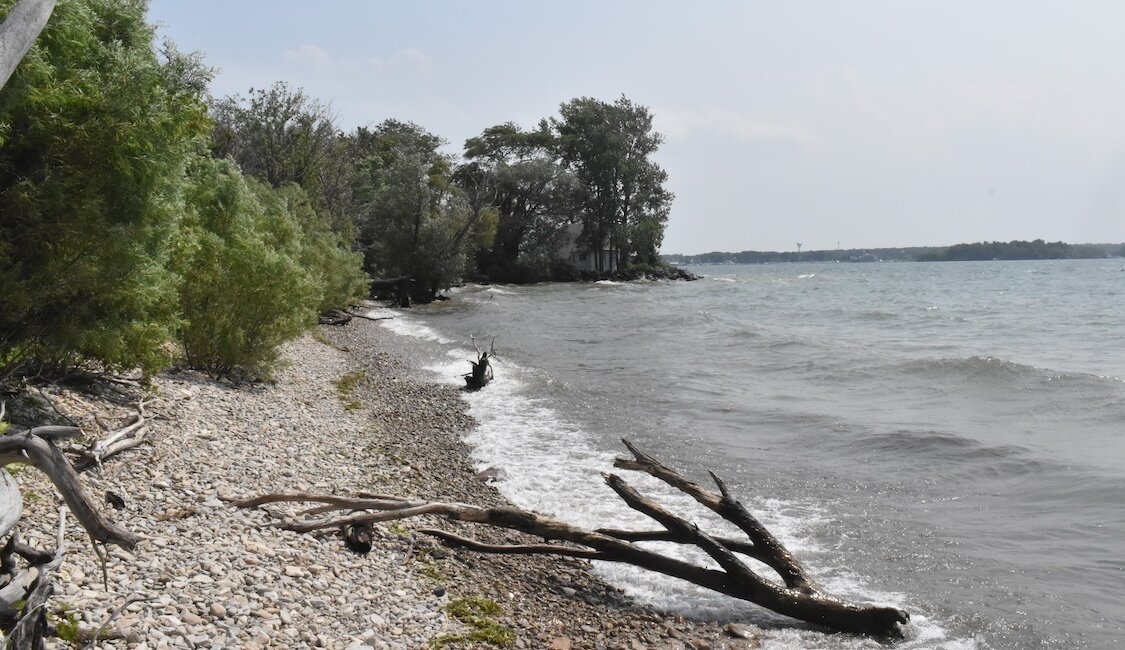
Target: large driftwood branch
{"points": [[31, 625], [796, 595], [36, 448]]}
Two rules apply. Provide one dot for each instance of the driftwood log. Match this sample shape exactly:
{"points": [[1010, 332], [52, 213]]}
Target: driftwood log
{"points": [[131, 435], [793, 593], [398, 290], [21, 27], [482, 368], [343, 317]]}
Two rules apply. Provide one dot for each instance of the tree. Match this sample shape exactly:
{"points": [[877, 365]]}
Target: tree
{"points": [[625, 205], [533, 193], [412, 220], [95, 133], [280, 135]]}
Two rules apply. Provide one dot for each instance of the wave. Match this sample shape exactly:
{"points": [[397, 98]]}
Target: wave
{"points": [[407, 326], [973, 368], [951, 455], [1097, 389]]}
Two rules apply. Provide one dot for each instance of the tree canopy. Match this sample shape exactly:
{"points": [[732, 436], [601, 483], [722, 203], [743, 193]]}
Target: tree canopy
{"points": [[103, 151]]}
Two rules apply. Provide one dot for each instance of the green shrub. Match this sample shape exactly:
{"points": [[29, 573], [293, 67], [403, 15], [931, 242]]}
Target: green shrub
{"points": [[336, 270], [244, 291], [94, 136]]}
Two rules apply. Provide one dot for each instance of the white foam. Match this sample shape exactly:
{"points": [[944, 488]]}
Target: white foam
{"points": [[406, 325]]}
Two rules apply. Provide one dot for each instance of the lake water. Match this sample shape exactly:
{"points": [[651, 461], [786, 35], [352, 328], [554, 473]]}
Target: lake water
{"points": [[946, 437]]}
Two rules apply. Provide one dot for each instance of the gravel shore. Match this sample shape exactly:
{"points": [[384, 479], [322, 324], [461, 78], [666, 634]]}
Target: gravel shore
{"points": [[209, 575]]}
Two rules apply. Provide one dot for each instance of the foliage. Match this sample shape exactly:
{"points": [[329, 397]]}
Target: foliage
{"points": [[277, 135], [66, 625], [94, 135], [533, 195], [412, 220], [345, 388], [1013, 250], [609, 148], [325, 255], [244, 290]]}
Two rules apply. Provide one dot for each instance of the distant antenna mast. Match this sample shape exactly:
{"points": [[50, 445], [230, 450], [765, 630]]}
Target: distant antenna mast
{"points": [[798, 247]]}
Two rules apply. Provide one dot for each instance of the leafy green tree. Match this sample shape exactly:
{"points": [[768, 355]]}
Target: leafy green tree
{"points": [[280, 135], [533, 194], [336, 270], [609, 147], [412, 220], [95, 132]]}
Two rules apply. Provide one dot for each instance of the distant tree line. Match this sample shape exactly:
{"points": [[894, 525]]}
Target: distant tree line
{"points": [[1022, 250], [1015, 250], [145, 223]]}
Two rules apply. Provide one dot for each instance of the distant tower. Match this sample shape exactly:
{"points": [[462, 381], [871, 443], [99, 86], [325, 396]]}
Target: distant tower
{"points": [[798, 247]]}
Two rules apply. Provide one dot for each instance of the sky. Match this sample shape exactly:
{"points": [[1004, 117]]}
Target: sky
{"points": [[835, 124]]}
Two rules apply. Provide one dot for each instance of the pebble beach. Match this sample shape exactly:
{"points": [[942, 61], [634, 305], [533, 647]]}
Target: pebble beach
{"points": [[346, 414]]}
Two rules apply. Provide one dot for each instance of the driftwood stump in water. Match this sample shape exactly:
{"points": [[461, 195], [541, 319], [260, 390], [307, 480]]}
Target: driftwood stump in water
{"points": [[792, 592], [482, 368]]}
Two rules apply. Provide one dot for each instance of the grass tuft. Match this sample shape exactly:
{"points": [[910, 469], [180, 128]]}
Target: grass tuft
{"points": [[345, 387]]}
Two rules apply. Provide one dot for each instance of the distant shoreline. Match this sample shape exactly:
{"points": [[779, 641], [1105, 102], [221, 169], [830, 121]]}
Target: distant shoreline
{"points": [[979, 252]]}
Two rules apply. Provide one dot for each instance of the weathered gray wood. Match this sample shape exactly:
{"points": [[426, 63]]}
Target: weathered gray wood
{"points": [[11, 503], [31, 626], [18, 33], [125, 438], [27, 447]]}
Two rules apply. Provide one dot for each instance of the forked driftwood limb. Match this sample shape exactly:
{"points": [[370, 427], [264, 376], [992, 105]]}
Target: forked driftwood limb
{"points": [[793, 593], [334, 317], [24, 593], [31, 620], [131, 435]]}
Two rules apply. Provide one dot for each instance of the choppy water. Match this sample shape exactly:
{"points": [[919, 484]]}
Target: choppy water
{"points": [[948, 437]]}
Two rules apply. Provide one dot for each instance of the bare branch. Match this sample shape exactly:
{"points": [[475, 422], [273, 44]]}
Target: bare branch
{"points": [[774, 554], [512, 549]]}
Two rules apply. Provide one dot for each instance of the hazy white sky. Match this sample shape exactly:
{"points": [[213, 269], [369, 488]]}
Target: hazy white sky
{"points": [[870, 124]]}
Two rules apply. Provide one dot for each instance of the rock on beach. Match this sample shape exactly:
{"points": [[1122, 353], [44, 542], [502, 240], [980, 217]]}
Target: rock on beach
{"points": [[207, 575]]}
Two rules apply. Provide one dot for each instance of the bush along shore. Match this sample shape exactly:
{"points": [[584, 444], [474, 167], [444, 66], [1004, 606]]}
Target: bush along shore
{"points": [[345, 415]]}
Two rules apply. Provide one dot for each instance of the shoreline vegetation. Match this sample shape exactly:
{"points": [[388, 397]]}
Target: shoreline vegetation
{"points": [[159, 243], [346, 414], [979, 252]]}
